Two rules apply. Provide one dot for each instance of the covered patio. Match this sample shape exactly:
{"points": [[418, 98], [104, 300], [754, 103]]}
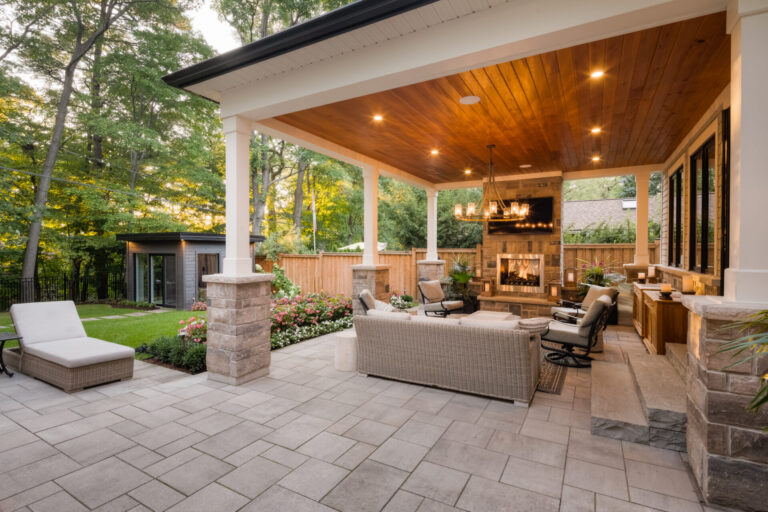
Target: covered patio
{"points": [[416, 90]]}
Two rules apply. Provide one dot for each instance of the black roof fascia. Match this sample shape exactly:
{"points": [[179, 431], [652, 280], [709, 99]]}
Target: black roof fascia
{"points": [[339, 21], [178, 236]]}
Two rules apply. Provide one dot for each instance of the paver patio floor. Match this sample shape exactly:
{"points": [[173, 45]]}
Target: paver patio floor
{"points": [[310, 438]]}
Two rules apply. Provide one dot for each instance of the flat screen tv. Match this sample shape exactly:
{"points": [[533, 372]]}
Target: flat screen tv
{"points": [[539, 219]]}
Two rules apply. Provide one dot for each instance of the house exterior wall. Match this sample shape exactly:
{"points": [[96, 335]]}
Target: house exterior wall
{"points": [[190, 251]]}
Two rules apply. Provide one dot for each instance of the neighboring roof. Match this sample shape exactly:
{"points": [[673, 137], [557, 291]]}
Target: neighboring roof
{"points": [[337, 22], [577, 215], [177, 236]]}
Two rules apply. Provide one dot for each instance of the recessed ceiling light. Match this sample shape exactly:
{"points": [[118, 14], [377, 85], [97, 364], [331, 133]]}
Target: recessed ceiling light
{"points": [[378, 118], [434, 152], [597, 73], [595, 130], [595, 158], [525, 166], [469, 100], [467, 171]]}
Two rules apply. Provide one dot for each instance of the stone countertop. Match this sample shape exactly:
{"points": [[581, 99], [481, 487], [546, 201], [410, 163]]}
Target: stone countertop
{"points": [[721, 308]]}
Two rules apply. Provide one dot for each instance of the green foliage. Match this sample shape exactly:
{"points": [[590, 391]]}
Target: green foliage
{"points": [[282, 287], [614, 187], [604, 233], [194, 359], [162, 347], [461, 274]]}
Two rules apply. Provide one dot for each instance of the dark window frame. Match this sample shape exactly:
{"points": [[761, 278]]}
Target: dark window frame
{"points": [[703, 245], [675, 247], [725, 198]]}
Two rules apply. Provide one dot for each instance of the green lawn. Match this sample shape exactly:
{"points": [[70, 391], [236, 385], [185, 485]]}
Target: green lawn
{"points": [[131, 331]]}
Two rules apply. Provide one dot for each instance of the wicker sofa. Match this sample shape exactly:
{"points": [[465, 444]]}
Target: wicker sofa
{"points": [[496, 362], [56, 349]]}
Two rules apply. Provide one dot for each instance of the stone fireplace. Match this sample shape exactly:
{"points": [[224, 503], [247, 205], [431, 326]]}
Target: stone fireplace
{"points": [[520, 273], [522, 265]]}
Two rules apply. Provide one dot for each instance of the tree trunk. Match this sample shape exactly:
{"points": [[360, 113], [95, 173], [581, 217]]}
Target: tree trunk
{"points": [[41, 196], [260, 185], [298, 196], [96, 139], [101, 264]]}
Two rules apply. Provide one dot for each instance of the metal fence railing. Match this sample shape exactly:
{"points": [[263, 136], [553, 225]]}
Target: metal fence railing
{"points": [[60, 287]]}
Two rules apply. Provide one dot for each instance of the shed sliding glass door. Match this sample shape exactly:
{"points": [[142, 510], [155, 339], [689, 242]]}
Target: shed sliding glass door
{"points": [[156, 279]]}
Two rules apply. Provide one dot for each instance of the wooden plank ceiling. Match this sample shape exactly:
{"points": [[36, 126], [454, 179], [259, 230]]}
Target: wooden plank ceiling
{"points": [[540, 110]]}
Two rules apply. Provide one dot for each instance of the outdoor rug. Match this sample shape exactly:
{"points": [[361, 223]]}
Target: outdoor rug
{"points": [[551, 377]]}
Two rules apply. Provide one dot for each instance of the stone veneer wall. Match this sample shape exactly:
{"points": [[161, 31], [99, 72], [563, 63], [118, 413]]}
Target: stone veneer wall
{"points": [[727, 446], [548, 244]]}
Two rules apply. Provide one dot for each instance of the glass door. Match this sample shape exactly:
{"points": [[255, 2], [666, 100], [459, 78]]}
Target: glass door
{"points": [[162, 269]]}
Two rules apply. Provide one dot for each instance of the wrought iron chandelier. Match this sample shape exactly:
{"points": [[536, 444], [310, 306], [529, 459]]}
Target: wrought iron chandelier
{"points": [[492, 207]]}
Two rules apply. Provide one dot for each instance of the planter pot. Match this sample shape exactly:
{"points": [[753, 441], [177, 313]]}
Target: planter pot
{"points": [[470, 305]]}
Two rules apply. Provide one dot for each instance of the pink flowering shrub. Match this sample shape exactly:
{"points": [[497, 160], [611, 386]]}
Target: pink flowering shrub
{"points": [[308, 310], [194, 329], [199, 306]]}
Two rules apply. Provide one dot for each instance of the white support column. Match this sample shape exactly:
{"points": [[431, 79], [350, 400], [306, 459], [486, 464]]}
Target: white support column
{"points": [[431, 224], [371, 215], [641, 218], [237, 133], [747, 278]]}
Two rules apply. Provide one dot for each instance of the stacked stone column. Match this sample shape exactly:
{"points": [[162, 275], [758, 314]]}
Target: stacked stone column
{"points": [[369, 277], [238, 327], [727, 446]]}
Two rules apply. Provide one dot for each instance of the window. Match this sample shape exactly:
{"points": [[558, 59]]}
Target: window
{"points": [[156, 279], [702, 209], [675, 252]]}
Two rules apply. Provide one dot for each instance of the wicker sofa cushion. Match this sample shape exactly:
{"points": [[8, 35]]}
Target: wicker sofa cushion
{"points": [[395, 315], [493, 315], [450, 305], [40, 322], [490, 324], [421, 319], [77, 352]]}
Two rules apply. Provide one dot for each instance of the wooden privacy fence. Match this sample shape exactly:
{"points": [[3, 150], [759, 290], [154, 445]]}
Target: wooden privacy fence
{"points": [[331, 272]]}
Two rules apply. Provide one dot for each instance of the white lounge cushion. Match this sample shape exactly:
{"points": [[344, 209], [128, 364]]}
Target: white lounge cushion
{"points": [[391, 315], [597, 291], [77, 352], [490, 324], [367, 297], [566, 333], [593, 314], [421, 319], [383, 306], [40, 322], [450, 305]]}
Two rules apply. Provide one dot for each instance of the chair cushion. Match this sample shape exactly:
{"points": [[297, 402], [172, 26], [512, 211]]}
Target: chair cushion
{"points": [[565, 333], [40, 322], [490, 324], [593, 314], [432, 290], [421, 319], [449, 305], [595, 292], [568, 311], [367, 297], [392, 315], [77, 352]]}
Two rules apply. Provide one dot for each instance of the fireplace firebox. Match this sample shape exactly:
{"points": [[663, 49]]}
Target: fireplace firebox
{"points": [[520, 273]]}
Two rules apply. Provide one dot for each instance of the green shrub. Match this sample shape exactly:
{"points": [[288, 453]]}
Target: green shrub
{"points": [[177, 353], [194, 359], [162, 346]]}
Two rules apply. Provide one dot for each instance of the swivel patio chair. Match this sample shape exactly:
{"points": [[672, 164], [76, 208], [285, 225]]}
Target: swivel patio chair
{"points": [[434, 299], [577, 336], [579, 309]]}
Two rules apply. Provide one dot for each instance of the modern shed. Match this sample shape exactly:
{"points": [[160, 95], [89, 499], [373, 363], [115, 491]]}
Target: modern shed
{"points": [[167, 269]]}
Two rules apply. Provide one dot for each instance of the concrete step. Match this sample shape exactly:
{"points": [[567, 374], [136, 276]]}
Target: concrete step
{"points": [[663, 399], [616, 410], [677, 353]]}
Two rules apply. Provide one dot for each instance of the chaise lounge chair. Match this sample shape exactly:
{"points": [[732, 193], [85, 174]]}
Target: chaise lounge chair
{"points": [[56, 349]]}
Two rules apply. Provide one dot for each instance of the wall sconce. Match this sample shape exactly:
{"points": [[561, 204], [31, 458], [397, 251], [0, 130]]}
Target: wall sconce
{"points": [[553, 295], [569, 277], [641, 277], [651, 272]]}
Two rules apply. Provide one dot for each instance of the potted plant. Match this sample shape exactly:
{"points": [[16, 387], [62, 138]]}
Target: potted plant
{"points": [[401, 301], [460, 275]]}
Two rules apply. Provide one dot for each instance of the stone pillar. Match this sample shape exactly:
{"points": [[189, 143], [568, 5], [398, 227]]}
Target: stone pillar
{"points": [[237, 135], [432, 225], [370, 216], [747, 277], [727, 446], [238, 327], [641, 219], [369, 277]]}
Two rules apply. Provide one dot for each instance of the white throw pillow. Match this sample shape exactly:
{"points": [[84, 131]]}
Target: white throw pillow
{"points": [[391, 315], [383, 306], [490, 324], [421, 319]]}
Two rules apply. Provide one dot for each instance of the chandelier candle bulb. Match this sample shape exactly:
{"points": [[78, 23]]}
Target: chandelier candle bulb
{"points": [[457, 210]]}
